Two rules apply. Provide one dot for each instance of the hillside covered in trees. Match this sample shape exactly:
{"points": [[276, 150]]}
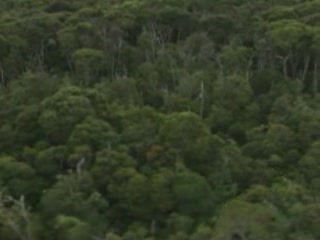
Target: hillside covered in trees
{"points": [[159, 120]]}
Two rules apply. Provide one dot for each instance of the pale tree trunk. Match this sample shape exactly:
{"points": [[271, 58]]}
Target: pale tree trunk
{"points": [[284, 61], [161, 37], [113, 67], [70, 65], [152, 56], [294, 66], [202, 100], [306, 67], [39, 58], [285, 67], [16, 217], [119, 51], [79, 165], [249, 67], [2, 75], [315, 76], [221, 69], [153, 227]]}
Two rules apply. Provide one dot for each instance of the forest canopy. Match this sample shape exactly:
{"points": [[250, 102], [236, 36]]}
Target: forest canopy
{"points": [[159, 119]]}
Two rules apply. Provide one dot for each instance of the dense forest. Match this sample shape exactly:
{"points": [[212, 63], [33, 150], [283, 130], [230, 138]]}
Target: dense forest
{"points": [[159, 119]]}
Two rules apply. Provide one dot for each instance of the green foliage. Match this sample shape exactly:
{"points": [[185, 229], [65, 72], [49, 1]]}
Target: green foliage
{"points": [[88, 63], [287, 33], [95, 133], [17, 178], [240, 219], [191, 191], [181, 130], [50, 161], [309, 167], [148, 119], [160, 192], [140, 127], [4, 47], [70, 189], [62, 111], [71, 228]]}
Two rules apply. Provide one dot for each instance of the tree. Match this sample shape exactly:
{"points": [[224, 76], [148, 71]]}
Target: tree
{"points": [[71, 228], [202, 232], [193, 195], [243, 220], [309, 167], [161, 195], [292, 201], [140, 127], [95, 133], [316, 48], [288, 36], [74, 195], [88, 63], [107, 163], [130, 190], [18, 178], [61, 112], [4, 52], [49, 162], [182, 130], [27, 122], [205, 154], [177, 223], [16, 217]]}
